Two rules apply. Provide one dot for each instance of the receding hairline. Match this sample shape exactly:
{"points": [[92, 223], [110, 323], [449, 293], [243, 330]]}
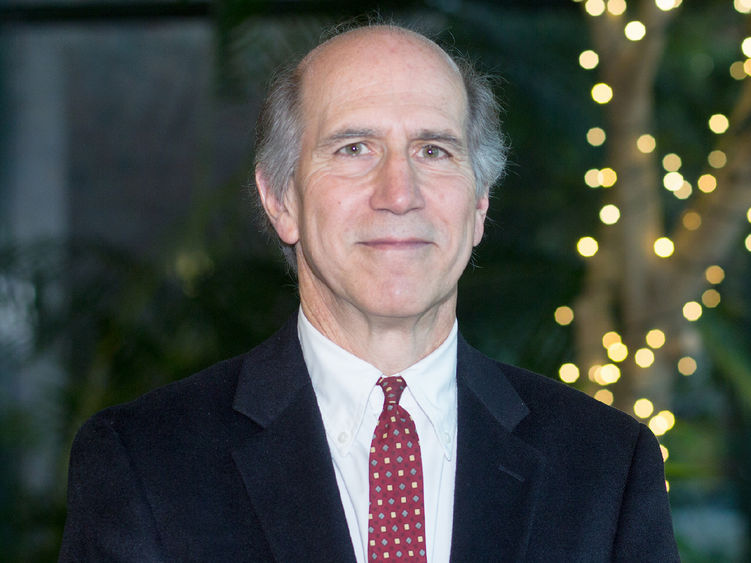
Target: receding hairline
{"points": [[378, 29]]}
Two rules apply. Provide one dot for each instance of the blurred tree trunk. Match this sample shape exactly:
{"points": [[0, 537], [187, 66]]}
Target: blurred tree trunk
{"points": [[628, 288]]}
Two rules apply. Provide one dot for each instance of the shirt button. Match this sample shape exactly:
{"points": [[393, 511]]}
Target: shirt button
{"points": [[447, 437], [343, 437]]}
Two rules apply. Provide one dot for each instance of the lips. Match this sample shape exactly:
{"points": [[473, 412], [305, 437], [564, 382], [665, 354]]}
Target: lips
{"points": [[396, 243]]}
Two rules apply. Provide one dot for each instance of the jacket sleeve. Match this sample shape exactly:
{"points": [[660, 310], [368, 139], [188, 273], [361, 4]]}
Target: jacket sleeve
{"points": [[645, 529], [109, 518]]}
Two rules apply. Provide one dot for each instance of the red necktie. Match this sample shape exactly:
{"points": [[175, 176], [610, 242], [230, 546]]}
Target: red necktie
{"points": [[396, 520]]}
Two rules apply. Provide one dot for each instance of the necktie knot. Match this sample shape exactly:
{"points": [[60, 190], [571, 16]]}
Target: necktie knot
{"points": [[393, 387]]}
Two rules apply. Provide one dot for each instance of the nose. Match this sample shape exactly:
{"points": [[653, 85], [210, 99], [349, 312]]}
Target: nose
{"points": [[397, 189]]}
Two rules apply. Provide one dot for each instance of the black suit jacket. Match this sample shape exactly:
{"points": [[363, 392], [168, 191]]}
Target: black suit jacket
{"points": [[232, 464]]}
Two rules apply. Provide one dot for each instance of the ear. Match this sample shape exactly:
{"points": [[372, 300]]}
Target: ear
{"points": [[281, 213], [481, 211]]}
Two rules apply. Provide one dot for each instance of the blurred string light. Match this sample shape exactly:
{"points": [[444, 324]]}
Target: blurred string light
{"points": [[667, 5], [604, 396], [664, 247], [748, 243], [655, 338], [568, 373], [746, 47], [717, 159], [687, 365], [646, 143], [660, 423], [691, 220], [602, 93], [635, 31], [748, 215], [707, 183], [564, 315], [711, 298], [742, 6], [616, 7], [714, 274], [673, 181], [644, 357], [610, 214], [596, 136], [587, 247], [692, 311], [643, 408], [671, 162], [589, 59], [718, 123], [594, 7]]}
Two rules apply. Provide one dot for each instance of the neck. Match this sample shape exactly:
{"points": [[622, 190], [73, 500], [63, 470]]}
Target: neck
{"points": [[391, 344]]}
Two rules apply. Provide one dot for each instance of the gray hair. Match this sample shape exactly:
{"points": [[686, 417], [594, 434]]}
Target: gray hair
{"points": [[279, 131]]}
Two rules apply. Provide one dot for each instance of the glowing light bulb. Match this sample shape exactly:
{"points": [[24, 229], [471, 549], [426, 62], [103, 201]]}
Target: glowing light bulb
{"points": [[644, 357], [610, 214], [564, 315], [707, 183], [646, 143], [592, 178], [691, 220], [737, 70], [589, 59], [714, 274], [616, 7], [596, 136], [618, 352], [602, 93], [746, 47], [684, 191], [671, 162], [587, 247], [655, 338], [604, 396], [610, 338], [643, 408], [594, 7], [673, 181], [635, 31], [718, 123], [664, 247], [568, 373], [607, 177], [742, 6], [609, 374], [711, 298], [687, 365], [692, 311], [717, 159]]}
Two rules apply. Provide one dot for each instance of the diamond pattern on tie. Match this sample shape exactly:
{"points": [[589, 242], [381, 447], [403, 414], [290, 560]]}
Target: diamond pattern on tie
{"points": [[396, 520]]}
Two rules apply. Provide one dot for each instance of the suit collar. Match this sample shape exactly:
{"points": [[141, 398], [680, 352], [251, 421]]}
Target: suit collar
{"points": [[498, 474], [285, 465]]}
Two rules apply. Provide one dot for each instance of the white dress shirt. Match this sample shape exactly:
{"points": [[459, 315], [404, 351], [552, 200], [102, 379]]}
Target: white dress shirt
{"points": [[350, 403]]}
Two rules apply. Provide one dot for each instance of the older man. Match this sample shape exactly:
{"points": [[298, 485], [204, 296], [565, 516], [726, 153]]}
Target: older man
{"points": [[366, 429]]}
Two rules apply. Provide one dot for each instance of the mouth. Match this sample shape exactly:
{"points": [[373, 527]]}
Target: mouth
{"points": [[396, 243]]}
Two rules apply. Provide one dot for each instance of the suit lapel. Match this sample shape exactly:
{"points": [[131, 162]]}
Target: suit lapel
{"points": [[286, 466], [497, 474]]}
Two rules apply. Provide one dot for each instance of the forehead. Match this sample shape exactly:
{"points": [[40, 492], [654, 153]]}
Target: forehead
{"points": [[380, 66]]}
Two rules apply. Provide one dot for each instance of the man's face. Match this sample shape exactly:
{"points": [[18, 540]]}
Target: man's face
{"points": [[383, 207]]}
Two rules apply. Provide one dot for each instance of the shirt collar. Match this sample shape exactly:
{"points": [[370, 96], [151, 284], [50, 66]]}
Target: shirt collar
{"points": [[343, 384]]}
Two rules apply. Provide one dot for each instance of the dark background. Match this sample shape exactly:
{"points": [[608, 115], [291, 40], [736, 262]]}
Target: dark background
{"points": [[129, 257]]}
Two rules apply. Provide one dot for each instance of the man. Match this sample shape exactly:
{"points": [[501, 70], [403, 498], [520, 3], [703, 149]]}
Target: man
{"points": [[375, 159]]}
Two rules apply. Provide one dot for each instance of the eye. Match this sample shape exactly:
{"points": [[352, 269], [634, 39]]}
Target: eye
{"points": [[433, 152], [353, 149]]}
